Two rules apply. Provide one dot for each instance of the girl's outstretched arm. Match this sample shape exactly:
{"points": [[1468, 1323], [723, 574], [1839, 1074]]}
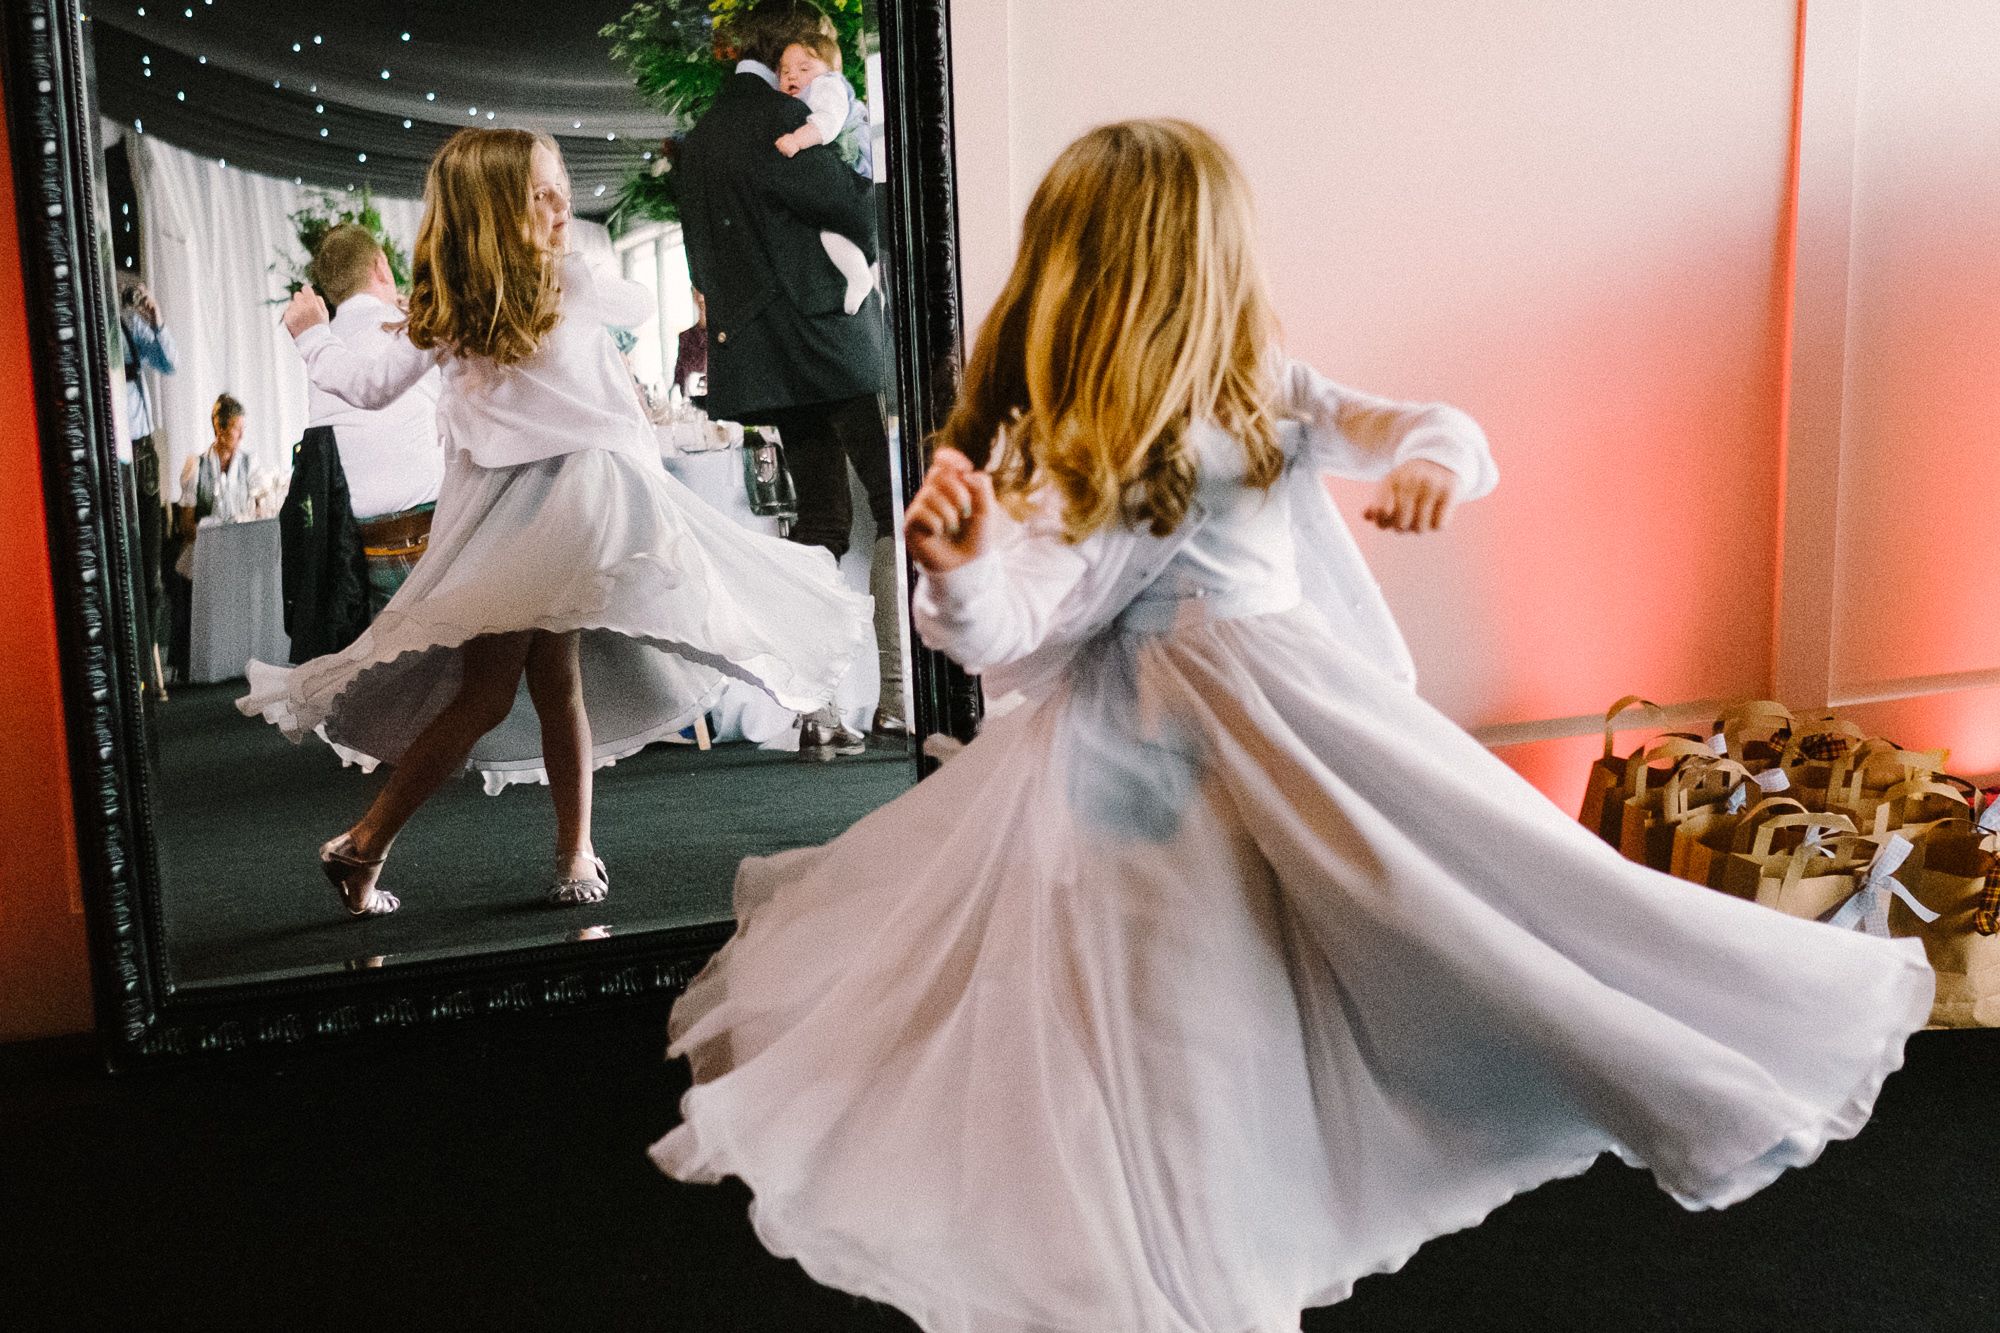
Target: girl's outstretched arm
{"points": [[359, 381], [1358, 435], [989, 588]]}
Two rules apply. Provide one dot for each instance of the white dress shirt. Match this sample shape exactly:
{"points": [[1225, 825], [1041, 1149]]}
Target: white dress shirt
{"points": [[391, 454], [573, 393]]}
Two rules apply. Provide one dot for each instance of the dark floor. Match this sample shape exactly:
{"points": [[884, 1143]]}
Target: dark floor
{"points": [[495, 1178], [240, 814]]}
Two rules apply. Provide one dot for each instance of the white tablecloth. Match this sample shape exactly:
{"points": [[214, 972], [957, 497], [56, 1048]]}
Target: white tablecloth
{"points": [[238, 609], [746, 713]]}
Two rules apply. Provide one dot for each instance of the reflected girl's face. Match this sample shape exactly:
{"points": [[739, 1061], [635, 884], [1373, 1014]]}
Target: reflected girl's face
{"points": [[549, 199]]}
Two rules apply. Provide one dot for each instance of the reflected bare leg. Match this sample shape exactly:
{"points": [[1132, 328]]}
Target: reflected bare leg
{"points": [[490, 673], [555, 687]]}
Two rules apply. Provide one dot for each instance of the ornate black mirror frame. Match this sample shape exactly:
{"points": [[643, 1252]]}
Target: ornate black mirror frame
{"points": [[141, 1017]]}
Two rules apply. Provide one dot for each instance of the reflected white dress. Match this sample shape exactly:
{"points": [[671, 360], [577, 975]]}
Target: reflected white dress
{"points": [[556, 514], [1224, 971]]}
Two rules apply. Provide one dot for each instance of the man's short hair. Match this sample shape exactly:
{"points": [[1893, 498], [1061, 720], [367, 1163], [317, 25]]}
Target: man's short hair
{"points": [[226, 410], [344, 261], [763, 31]]}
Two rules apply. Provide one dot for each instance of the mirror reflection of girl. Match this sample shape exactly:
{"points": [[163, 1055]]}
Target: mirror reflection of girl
{"points": [[561, 553], [1222, 970]]}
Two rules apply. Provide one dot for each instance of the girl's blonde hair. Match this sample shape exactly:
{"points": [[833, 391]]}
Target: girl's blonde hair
{"points": [[480, 285], [1135, 308]]}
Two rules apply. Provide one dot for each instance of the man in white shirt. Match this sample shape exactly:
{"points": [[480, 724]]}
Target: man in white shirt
{"points": [[391, 456]]}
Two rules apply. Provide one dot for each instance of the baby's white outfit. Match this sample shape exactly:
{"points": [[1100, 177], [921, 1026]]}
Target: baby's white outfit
{"points": [[555, 514], [1223, 970], [834, 110]]}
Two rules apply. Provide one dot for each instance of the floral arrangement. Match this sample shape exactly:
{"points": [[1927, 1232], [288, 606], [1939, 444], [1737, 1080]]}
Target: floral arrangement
{"points": [[678, 54], [325, 211]]}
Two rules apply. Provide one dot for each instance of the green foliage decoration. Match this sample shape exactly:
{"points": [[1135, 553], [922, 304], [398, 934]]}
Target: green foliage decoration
{"points": [[326, 210], [671, 48]]}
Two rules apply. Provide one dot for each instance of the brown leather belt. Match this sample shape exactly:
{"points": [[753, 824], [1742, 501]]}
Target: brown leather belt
{"points": [[406, 533]]}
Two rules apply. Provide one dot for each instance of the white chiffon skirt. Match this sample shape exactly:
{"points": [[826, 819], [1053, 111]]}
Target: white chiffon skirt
{"points": [[674, 601], [1185, 997]]}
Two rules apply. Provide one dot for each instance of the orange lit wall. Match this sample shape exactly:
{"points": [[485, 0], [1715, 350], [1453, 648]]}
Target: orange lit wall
{"points": [[1744, 449], [44, 971]]}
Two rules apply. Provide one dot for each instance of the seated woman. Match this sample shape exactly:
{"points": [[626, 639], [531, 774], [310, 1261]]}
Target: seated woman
{"points": [[222, 480]]}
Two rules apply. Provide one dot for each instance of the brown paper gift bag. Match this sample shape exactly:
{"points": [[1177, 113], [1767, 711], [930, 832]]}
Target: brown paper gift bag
{"points": [[1704, 840], [1608, 785], [1954, 869], [1645, 830], [1754, 734], [1811, 754], [1812, 881], [1861, 780], [1766, 852], [1699, 790]]}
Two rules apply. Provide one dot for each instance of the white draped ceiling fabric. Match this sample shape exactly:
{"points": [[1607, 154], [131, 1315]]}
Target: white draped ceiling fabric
{"points": [[218, 248]]}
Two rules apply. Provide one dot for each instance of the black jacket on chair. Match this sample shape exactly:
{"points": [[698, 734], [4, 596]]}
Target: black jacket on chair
{"points": [[751, 219], [324, 568]]}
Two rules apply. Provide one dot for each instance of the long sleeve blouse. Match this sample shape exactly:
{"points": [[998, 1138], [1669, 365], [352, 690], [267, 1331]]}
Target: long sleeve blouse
{"points": [[572, 393], [1017, 612]]}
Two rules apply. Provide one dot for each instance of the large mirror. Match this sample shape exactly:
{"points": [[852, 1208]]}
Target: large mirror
{"points": [[281, 592]]}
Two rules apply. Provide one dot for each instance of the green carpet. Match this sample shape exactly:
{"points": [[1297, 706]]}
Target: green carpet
{"points": [[240, 813]]}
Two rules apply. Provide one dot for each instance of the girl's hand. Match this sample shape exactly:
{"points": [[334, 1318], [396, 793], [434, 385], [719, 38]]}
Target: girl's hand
{"points": [[789, 145], [305, 311], [947, 523], [1418, 496]]}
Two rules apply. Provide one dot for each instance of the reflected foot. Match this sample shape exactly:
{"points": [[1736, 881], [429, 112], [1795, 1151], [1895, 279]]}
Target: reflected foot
{"points": [[823, 736], [578, 887], [354, 876]]}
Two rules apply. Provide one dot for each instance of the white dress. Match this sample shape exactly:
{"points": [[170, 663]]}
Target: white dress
{"points": [[555, 514], [1224, 971]]}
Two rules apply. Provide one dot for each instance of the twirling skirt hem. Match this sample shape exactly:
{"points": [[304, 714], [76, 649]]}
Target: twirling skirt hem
{"points": [[697, 1151], [270, 696]]}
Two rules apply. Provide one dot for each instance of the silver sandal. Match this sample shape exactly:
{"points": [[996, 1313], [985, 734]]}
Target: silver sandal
{"points": [[344, 869], [571, 892]]}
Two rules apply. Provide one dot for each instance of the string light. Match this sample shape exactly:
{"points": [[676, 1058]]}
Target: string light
{"points": [[201, 60], [610, 138], [180, 97], [361, 157], [296, 48], [322, 134], [576, 124], [489, 115], [406, 36], [430, 97], [406, 124], [319, 108], [317, 39], [139, 125]]}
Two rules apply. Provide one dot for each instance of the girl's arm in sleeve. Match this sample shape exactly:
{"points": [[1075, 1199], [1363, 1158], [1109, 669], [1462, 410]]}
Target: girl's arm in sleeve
{"points": [[1358, 435], [363, 381], [1002, 606]]}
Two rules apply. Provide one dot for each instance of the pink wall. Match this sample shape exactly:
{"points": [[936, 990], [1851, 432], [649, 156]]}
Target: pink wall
{"points": [[1573, 220]]}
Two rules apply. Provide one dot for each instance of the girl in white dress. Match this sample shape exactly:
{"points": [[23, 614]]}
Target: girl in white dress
{"points": [[1222, 970], [561, 553]]}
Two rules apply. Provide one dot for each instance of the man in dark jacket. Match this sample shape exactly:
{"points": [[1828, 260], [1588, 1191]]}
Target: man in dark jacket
{"points": [[781, 351]]}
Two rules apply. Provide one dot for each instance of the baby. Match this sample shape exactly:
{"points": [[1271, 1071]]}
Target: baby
{"points": [[810, 70]]}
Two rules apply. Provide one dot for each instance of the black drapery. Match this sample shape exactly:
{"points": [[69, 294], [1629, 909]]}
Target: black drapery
{"points": [[226, 83]]}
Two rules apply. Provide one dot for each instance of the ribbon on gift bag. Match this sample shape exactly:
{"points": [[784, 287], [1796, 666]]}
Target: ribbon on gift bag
{"points": [[1868, 909]]}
